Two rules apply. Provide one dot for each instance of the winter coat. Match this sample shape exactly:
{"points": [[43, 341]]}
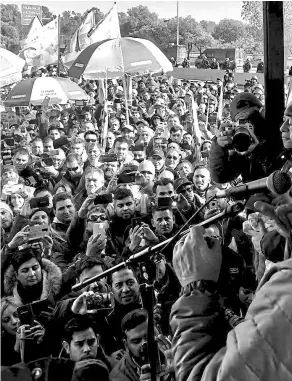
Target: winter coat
{"points": [[225, 168], [51, 282], [258, 349]]}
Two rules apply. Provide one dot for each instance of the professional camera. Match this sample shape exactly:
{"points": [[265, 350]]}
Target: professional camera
{"points": [[100, 301], [242, 138]]}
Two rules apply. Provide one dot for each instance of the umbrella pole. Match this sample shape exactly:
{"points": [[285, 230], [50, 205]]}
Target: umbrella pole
{"points": [[126, 100], [105, 126]]}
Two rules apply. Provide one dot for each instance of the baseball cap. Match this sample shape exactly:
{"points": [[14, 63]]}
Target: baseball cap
{"points": [[142, 121], [147, 165], [8, 168], [243, 105], [180, 182], [158, 152], [128, 127]]}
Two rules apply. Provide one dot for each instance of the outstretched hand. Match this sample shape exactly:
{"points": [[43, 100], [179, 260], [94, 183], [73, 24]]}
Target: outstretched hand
{"points": [[282, 215]]}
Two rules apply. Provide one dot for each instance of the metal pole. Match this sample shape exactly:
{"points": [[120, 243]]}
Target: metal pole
{"points": [[177, 31], [59, 55]]}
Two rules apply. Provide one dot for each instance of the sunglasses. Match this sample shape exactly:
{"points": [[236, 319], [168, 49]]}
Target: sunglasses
{"points": [[172, 157], [91, 140], [72, 169], [95, 218]]}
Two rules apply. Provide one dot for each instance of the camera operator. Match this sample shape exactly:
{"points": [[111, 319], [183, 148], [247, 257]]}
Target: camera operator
{"points": [[241, 149], [133, 365]]}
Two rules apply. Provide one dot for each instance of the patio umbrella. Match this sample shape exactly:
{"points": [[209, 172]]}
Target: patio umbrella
{"points": [[34, 90], [115, 57], [10, 67]]}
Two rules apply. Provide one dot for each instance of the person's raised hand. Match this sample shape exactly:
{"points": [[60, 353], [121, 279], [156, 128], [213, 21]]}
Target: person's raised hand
{"points": [[194, 260], [37, 332], [112, 185], [95, 245], [20, 238], [136, 235], [149, 235], [164, 344], [282, 215], [79, 306], [84, 207], [182, 203]]}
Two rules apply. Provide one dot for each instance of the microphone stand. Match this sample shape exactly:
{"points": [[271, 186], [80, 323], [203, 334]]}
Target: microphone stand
{"points": [[230, 211]]}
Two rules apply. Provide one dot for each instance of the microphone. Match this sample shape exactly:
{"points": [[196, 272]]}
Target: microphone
{"points": [[276, 184]]}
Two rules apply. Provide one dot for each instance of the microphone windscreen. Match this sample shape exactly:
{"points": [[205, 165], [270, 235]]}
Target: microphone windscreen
{"points": [[279, 182]]}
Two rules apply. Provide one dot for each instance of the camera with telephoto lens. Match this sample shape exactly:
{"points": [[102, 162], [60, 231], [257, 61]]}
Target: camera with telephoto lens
{"points": [[242, 138], [100, 301]]}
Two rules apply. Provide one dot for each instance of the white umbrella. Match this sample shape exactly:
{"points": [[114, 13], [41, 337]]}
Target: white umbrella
{"points": [[10, 67], [115, 57], [34, 90]]}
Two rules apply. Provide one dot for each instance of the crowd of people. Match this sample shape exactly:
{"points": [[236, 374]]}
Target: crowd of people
{"points": [[86, 186]]}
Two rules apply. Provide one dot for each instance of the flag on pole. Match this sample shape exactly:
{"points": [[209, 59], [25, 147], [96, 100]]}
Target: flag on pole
{"points": [[89, 33], [220, 106], [107, 28]]}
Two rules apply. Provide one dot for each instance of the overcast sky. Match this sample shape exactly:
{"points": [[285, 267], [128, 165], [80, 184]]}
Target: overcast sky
{"points": [[200, 10]]}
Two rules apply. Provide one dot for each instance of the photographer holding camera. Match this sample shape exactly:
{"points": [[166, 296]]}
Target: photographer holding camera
{"points": [[241, 148]]}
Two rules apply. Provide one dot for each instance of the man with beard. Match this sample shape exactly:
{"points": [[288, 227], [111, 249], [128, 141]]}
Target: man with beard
{"points": [[74, 167], [124, 210], [110, 170], [201, 180], [81, 343]]}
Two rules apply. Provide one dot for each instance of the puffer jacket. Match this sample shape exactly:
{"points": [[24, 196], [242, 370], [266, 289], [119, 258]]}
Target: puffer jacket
{"points": [[258, 349], [52, 281]]}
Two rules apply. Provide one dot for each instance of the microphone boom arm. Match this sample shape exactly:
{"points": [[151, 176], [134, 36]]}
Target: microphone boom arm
{"points": [[230, 211]]}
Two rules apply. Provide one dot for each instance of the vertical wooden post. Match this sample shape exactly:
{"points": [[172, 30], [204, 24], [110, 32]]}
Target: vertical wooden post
{"points": [[274, 72]]}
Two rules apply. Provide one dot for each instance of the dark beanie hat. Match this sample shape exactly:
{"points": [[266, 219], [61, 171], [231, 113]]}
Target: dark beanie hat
{"points": [[22, 256], [46, 210]]}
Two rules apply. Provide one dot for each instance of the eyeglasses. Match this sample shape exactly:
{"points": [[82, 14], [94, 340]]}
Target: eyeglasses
{"points": [[91, 140], [185, 190], [95, 218], [72, 169], [172, 157]]}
